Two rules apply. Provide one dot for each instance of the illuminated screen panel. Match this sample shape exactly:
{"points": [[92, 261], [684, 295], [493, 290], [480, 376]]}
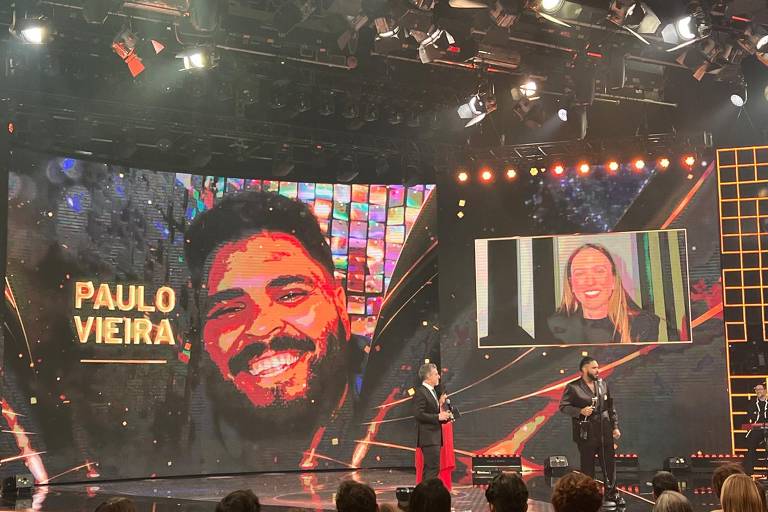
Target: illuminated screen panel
{"points": [[743, 200], [566, 290], [172, 323]]}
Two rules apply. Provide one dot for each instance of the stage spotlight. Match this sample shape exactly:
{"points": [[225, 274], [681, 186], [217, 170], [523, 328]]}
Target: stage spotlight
{"points": [[584, 168], [132, 50], [534, 171], [486, 175], [686, 28], [197, 58], [762, 44], [551, 5], [739, 95], [689, 160], [563, 114], [511, 173], [639, 164], [634, 17], [558, 169], [30, 29], [477, 107], [529, 90], [463, 176], [613, 166], [664, 162]]}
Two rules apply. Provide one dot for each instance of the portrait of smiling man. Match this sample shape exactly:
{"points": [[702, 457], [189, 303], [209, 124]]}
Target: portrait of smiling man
{"points": [[279, 359]]}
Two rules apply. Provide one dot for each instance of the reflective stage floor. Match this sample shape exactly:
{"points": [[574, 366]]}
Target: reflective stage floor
{"points": [[314, 491]]}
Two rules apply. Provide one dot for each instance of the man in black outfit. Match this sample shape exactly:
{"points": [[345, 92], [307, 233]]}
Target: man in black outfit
{"points": [[757, 435], [595, 423], [426, 410]]}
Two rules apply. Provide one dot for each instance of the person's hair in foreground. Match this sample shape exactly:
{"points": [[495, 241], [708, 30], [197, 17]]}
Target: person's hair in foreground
{"points": [[239, 501], [664, 481], [355, 497], [741, 494], [619, 304], [430, 496], [576, 492], [507, 493], [117, 505], [722, 472], [672, 501]]}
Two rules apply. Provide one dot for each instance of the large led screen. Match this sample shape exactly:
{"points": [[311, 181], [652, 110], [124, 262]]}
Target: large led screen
{"points": [[162, 323]]}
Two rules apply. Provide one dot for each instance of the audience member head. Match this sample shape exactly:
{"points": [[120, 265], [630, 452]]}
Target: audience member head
{"points": [[722, 472], [239, 501], [388, 507], [741, 494], [355, 497], [507, 493], [672, 501], [664, 481], [117, 505], [430, 496], [576, 492]]}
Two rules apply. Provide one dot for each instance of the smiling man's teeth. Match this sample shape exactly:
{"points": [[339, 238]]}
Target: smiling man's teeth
{"points": [[272, 365]]}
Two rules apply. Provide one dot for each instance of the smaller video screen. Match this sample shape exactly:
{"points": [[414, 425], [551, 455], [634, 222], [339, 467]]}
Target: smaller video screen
{"points": [[595, 289]]}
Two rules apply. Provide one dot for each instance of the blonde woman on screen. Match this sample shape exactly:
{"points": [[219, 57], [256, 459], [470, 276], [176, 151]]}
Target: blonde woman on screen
{"points": [[595, 307]]}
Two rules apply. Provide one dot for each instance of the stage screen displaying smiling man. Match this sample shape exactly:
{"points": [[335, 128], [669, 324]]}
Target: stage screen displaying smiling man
{"points": [[583, 289], [279, 353]]}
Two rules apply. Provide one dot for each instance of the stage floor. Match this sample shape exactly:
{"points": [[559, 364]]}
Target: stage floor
{"points": [[314, 491]]}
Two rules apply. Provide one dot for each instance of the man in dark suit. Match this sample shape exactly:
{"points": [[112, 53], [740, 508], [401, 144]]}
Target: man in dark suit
{"points": [[589, 403], [426, 410], [758, 435]]}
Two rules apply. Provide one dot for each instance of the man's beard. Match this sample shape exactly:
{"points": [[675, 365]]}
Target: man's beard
{"points": [[325, 384]]}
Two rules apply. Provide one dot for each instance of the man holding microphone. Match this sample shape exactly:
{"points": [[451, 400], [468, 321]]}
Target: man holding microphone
{"points": [[427, 409], [588, 402]]}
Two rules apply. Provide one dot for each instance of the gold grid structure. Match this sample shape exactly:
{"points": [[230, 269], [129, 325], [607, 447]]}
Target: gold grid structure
{"points": [[743, 193], [742, 175]]}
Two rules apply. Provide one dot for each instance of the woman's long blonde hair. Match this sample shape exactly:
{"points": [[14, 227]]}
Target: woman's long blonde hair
{"points": [[741, 494], [618, 304], [672, 501]]}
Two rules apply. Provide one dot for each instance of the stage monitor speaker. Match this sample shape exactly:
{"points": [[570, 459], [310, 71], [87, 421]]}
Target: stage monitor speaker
{"points": [[485, 467], [676, 464], [18, 485], [556, 465]]}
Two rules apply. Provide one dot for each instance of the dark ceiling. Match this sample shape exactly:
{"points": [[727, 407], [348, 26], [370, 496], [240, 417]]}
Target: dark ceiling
{"points": [[310, 80]]}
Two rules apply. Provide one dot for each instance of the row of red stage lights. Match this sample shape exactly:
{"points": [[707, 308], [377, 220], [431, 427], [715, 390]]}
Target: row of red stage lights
{"points": [[487, 174]]}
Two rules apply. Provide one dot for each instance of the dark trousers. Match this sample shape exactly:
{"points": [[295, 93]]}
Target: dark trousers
{"points": [[755, 438], [587, 452], [431, 461]]}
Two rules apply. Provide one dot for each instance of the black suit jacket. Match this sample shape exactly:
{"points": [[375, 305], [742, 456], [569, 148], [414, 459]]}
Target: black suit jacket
{"points": [[426, 410], [576, 396]]}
